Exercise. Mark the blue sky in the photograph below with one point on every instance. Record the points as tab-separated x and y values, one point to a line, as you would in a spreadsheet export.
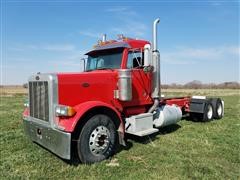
197	40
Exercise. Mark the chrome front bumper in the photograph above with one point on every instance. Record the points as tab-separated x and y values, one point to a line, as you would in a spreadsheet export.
56	141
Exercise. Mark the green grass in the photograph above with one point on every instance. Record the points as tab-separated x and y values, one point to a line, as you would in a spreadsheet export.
188	150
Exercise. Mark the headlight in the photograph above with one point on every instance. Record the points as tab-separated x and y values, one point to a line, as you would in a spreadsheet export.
26	103
64	111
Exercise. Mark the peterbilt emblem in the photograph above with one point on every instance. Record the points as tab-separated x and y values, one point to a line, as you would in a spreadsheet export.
85	84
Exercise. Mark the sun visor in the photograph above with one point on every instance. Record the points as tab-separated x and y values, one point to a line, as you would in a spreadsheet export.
109	46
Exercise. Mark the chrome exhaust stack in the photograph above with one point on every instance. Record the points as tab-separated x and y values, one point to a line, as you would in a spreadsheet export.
155	34
156	63
156	69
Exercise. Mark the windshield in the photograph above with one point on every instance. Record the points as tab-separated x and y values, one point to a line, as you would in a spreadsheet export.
110	59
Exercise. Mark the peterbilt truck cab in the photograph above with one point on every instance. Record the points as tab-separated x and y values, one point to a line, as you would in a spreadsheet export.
118	93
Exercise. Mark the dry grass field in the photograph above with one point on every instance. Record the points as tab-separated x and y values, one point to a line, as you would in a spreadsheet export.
19	90
12	90
188	150
201	92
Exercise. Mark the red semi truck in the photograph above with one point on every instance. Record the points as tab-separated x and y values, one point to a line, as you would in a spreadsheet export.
118	93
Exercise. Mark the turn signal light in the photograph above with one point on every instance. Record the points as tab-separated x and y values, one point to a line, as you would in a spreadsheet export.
65	111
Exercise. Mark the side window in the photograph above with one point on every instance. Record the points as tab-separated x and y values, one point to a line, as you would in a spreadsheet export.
135	59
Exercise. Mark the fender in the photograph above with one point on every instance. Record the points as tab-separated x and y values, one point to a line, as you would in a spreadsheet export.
69	124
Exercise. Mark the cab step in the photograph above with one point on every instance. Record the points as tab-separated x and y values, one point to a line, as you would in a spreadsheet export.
140	125
144	132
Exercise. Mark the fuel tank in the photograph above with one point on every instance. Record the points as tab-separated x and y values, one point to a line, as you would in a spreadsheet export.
125	84
166	115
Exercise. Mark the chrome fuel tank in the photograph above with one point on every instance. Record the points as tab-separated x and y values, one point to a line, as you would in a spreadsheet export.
166	115
125	84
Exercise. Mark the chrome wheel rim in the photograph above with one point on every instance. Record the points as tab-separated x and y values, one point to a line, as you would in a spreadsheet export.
210	112
219	110
99	140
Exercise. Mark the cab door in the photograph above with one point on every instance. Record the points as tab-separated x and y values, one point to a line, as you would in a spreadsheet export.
141	81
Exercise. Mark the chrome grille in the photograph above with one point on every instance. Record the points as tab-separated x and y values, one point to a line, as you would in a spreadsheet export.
39	100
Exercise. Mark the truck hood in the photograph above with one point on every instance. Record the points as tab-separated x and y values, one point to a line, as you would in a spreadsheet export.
75	88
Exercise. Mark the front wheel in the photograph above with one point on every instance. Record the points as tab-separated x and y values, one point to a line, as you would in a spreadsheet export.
97	140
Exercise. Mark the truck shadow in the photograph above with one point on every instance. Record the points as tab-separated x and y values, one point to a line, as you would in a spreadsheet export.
150	138
130	139
192	119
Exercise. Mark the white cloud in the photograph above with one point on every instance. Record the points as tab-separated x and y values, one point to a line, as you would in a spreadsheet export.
234	50
47	47
90	34
129	22
22	47
132	28
215	3
188	55
22	60
117	9
59	47
65	63
122	11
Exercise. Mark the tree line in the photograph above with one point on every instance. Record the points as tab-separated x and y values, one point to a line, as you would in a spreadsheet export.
199	85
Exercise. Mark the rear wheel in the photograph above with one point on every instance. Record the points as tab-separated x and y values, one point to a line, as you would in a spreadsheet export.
217	108
97	140
208	112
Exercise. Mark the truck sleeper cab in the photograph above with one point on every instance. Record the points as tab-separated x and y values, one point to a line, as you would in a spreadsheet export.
118	93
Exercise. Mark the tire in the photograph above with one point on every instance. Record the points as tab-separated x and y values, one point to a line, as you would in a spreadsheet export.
217	108
97	140
208	112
